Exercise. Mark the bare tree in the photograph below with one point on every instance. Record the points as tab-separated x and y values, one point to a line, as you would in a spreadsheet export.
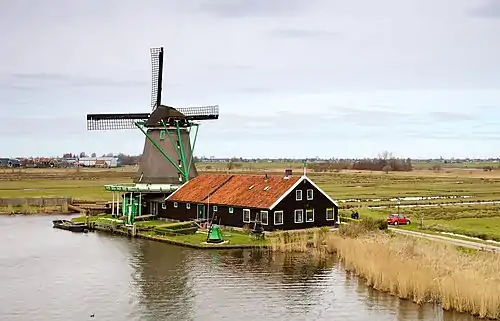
385	155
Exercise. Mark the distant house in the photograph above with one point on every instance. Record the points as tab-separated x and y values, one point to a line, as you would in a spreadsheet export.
280	202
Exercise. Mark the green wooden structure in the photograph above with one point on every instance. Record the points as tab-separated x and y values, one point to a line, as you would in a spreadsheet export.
214	234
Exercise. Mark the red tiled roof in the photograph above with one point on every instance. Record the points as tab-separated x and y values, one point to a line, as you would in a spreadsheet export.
234	190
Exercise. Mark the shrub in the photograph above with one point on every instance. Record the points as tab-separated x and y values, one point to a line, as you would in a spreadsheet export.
181	231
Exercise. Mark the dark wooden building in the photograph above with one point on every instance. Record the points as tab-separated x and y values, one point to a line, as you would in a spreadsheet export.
280	202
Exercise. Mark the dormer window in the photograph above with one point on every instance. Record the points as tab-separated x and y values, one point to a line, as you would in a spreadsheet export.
298	195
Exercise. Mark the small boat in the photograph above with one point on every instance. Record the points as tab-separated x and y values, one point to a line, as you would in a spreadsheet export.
70	226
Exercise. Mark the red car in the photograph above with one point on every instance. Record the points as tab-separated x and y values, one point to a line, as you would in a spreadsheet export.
396	219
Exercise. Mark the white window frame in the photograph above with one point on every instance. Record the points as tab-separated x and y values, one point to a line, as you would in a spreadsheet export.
266	215
215	208
333	214
282	217
297	193
246	211
312	194
188	206
176	204
295	216
307	220
231	210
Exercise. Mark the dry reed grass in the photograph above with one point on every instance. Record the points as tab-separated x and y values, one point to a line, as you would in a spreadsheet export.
409	268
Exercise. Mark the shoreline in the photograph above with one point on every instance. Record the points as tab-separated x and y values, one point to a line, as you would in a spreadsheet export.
233	238
371	255
170	241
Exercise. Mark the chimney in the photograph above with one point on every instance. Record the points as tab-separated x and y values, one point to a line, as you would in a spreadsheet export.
288	173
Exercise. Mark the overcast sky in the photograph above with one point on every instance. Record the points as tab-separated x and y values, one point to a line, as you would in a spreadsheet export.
328	78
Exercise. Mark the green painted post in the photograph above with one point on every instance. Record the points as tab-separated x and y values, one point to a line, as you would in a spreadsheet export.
183	156
158	147
171	139
124	204
192	149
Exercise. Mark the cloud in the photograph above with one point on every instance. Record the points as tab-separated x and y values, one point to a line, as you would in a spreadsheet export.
303	34
253	8
375	116
446	116
489	9
71	80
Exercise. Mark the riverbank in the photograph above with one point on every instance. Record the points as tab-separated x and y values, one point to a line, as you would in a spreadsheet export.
116	278
35	205
424	271
420	270
185	234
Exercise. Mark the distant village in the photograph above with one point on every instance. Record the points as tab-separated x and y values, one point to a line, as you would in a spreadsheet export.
116	160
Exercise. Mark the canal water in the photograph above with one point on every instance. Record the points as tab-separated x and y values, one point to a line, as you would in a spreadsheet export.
50	274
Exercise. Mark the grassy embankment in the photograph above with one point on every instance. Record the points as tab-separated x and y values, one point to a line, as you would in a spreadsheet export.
409	268
359	190
184	233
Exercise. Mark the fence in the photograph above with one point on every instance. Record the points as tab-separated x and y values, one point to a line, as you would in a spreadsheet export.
44	201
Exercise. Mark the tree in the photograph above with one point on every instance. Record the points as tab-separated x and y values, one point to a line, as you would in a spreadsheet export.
82	154
385	155
93	155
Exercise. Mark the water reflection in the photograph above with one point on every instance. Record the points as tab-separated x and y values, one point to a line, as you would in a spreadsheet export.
55	275
162	281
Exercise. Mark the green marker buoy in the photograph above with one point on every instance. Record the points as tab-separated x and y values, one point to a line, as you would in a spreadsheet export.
214	234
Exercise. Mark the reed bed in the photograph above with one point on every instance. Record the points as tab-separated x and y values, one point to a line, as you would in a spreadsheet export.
409	268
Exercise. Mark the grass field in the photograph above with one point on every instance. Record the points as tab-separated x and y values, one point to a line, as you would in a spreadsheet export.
361	190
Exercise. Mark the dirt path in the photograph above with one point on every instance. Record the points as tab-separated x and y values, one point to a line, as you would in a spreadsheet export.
449	240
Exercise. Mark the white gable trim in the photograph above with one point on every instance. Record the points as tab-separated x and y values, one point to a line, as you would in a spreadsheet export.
321	191
169	196
300	180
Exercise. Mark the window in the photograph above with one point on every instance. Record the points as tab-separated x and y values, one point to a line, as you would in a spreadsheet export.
175	204
179	163
246	216
329	214
309	215
162	134
231	210
215	208
188	206
298	195
164	206
264	217
278	218
180	177
298	216
309	194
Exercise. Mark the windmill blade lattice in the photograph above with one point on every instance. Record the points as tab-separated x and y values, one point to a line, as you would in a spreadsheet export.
157	75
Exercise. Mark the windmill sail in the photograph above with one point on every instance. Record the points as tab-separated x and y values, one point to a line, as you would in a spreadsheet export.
129	121
167	156
157	75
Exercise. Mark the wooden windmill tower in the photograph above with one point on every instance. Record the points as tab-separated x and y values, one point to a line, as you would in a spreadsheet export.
167	157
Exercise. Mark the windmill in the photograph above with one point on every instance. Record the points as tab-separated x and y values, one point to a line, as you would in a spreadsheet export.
167	156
